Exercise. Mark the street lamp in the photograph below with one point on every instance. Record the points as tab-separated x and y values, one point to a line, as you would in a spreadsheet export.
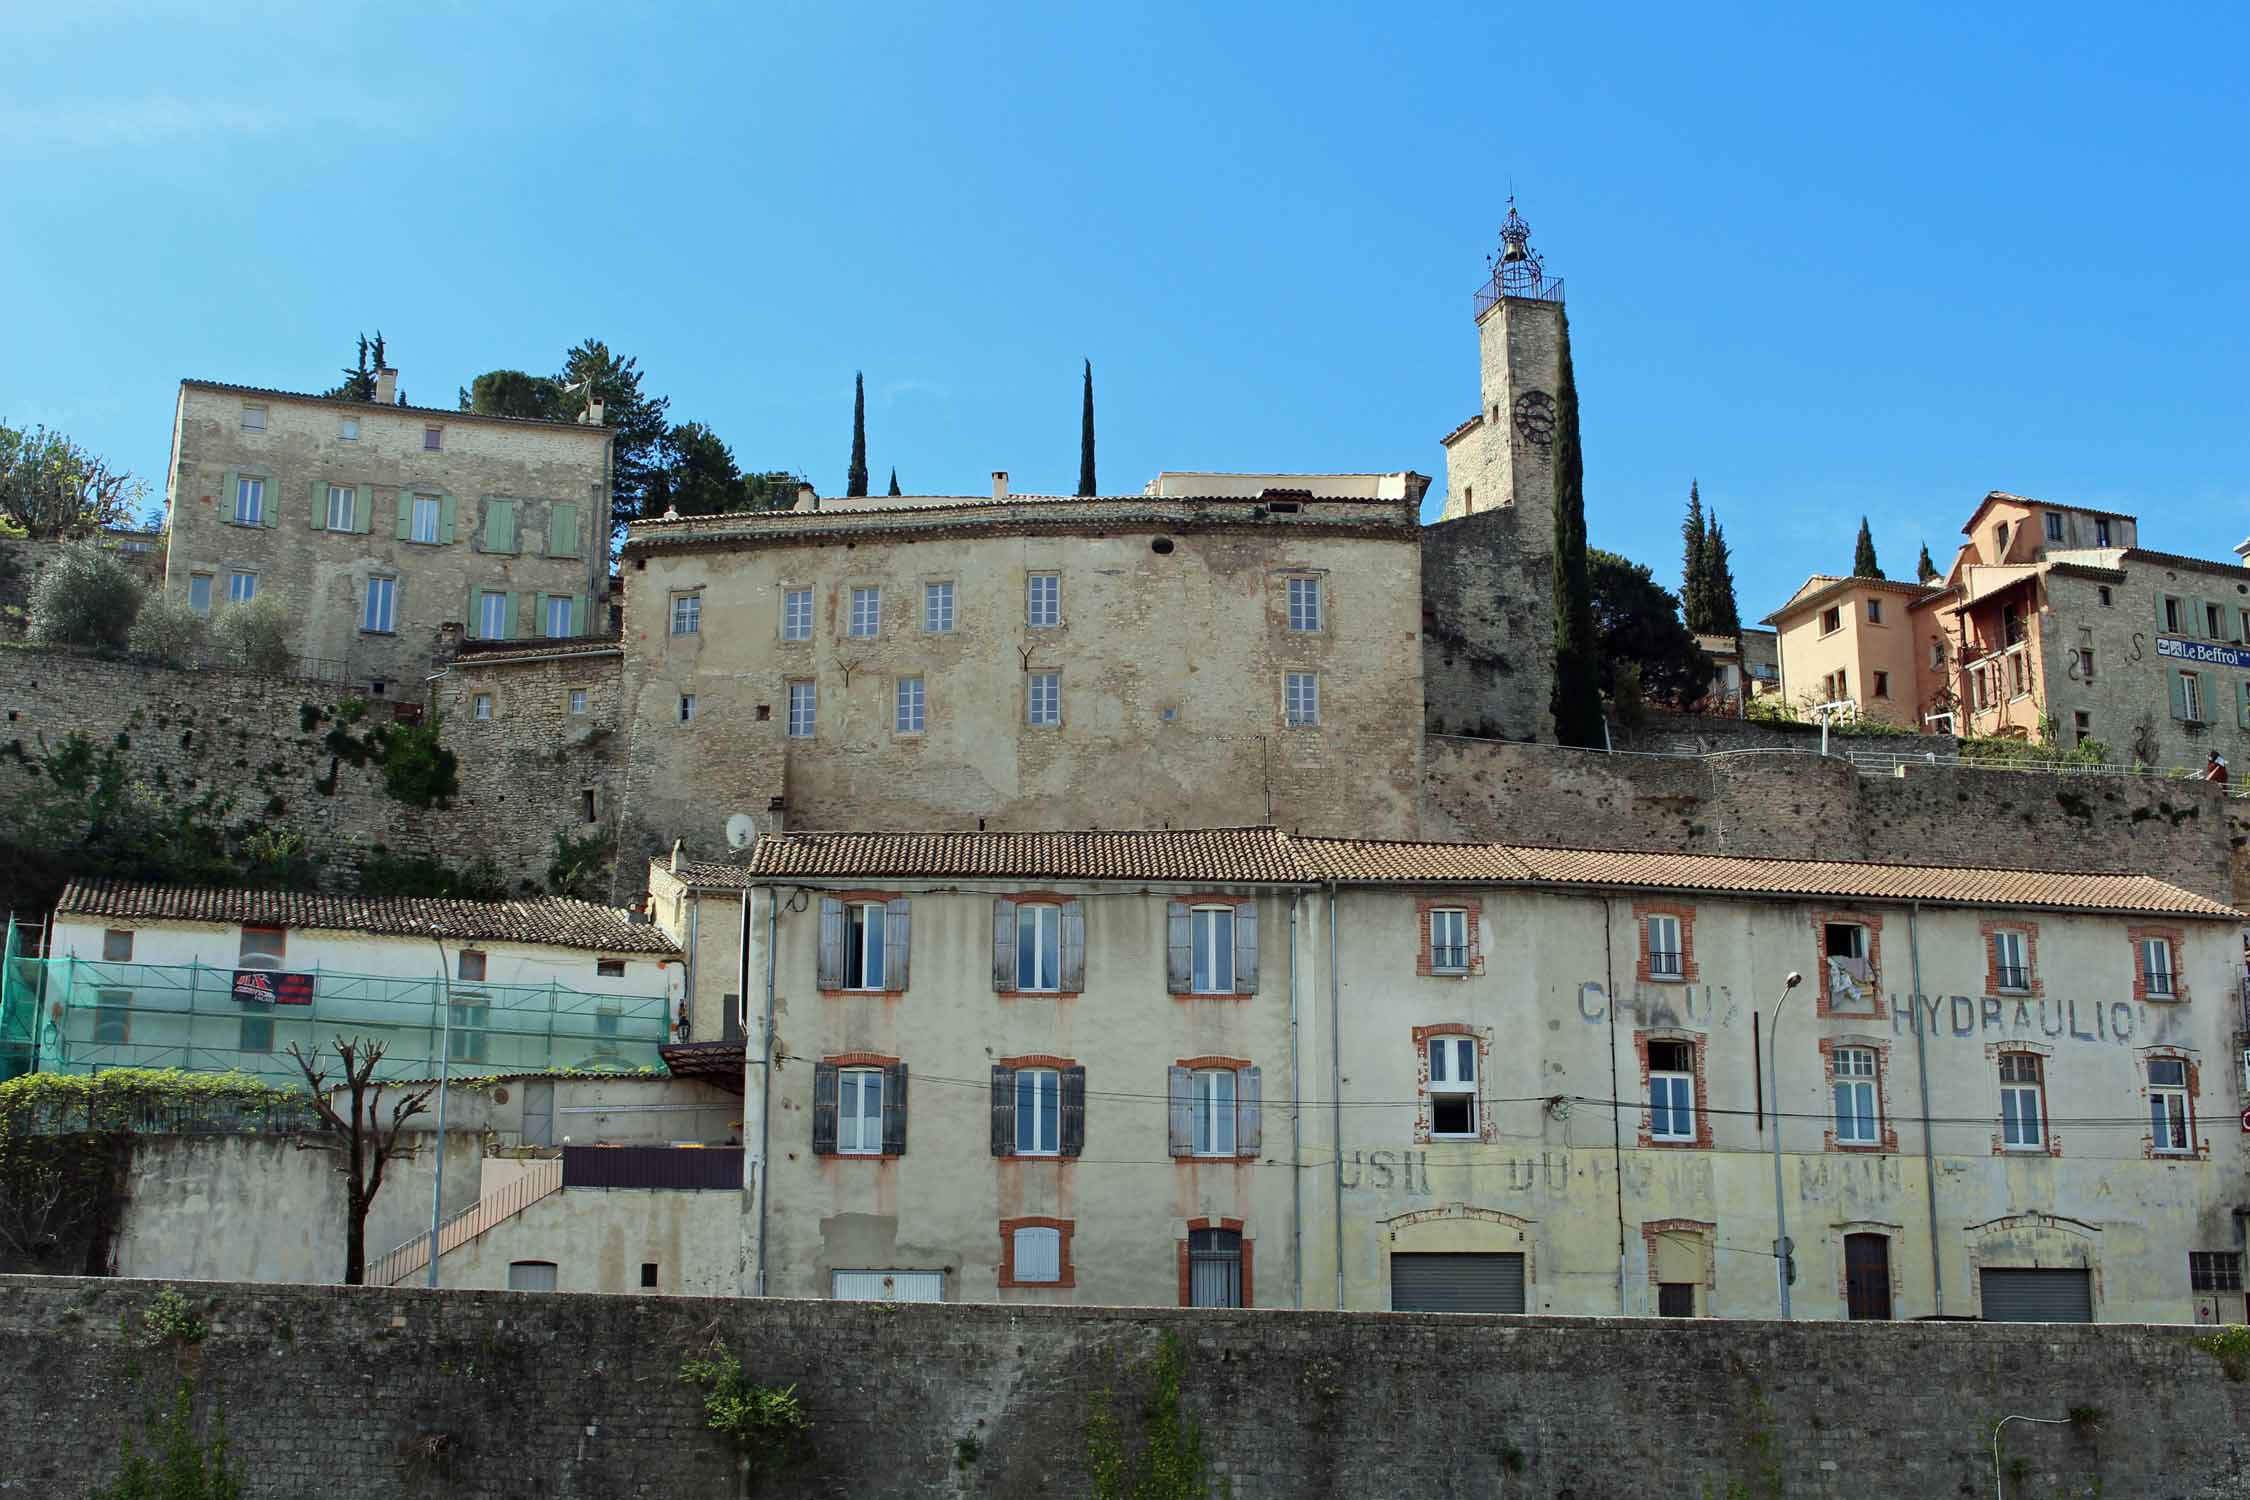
1781	1246
445	1069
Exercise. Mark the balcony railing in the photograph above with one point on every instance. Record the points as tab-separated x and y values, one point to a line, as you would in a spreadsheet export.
1492	292
683	1168
1663	965
2014	978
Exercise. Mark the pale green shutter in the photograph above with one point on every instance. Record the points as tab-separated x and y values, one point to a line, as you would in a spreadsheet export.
472	620
405	511
499	525
320	504
2179	695
363	509
508	618
227	485
269	505
579	625
445	519
562	530
2204	703
2242	703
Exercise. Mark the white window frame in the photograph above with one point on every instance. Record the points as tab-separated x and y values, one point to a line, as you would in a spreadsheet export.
424	515
2026	1130
1043	706
2159	980
1667	959
1042	600
249	500
1304	603
1300	700
242	587
1211	939
2009	958
492	614
2191	697
856	1090
1046	1258
1448	1056
343	507
1679	1090
937	607
1041	923
865	932
911	712
687	614
480	707
866	620
568	607
1857	1072
2170	1110
1038	1112
382	605
577	701
796	614
1449	940
804	709
1216	1104
201	606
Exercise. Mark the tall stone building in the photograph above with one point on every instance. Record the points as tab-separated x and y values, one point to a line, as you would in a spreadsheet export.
1487	585
375	523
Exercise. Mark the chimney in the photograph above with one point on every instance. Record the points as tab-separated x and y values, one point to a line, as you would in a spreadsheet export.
594	409
806	498
999	484
386	386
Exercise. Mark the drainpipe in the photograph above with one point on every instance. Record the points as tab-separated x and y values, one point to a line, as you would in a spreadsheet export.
1296	1127
765	1087
694	930
1616	1104
1922	1072
743	1249
1336	1087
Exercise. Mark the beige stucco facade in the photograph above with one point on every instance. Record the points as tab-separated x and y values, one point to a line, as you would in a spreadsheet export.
1850	640
314	502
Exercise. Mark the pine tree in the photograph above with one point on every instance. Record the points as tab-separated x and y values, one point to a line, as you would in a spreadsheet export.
1577	700
1721	613
855	483
1086	436
894	482
1924	569
1695	564
1863	555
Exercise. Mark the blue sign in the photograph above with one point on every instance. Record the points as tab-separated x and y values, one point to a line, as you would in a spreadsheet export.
2203	652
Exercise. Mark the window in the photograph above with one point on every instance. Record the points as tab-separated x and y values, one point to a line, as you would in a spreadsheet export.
648	1273
253	419
2101	539
1937	656
2082	725
1831	619
2214	1271
423	519
588	808
1043	599
2023	1102
796	614
865	924
1874	611
2000	537
2054	526
2010	969
887	1286
343	504
1882	684
492	616
2171	1125
117	946
1046	698
1304	604
1038	947
1664	951
577	701
687	708
262	948
867	612
113	1017
937	608
1453	1087
910	705
470	965
483	705
2101	591
1214	1258
531	1276
2156	968
1449	940
2086	663
347	429
801	709
1038	1111
609	968
382	596
1214	1097
2187	697
1856	1118
253	1034
687	614
1671	1090
241	587
1675	1299
433	438
1035	1255
560	608
1212	932
859	1112
199	593
2213	628
1301	700
2171	614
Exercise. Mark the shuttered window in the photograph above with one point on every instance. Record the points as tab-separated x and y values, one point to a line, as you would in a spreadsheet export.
1038	1111
2013	1295
865	945
1213	949
859	1110
1038	947
499	525
1038	1254
1215	1112
1457	1283
562	530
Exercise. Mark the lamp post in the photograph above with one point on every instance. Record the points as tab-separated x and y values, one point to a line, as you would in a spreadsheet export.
1781	1246
445	1069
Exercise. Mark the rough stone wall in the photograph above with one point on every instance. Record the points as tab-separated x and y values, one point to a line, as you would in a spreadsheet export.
1787	803
1707	734
323	575
1488	665
2128	702
390	1393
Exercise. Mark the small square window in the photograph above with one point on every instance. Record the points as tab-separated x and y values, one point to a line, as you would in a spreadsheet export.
241	587
483	705
347	429
471	965
253	419
1882	684
648	1273
433	438
609	968
577	701
687	708
1831	620
117	946
1037	1254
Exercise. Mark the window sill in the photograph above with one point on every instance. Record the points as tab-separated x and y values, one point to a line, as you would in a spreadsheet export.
1455	1140
1677	1143
1437	973
1239	1160
1037	994
861	994
2031	1150
1034	1156
796	640
1862	1148
247	525
1664	979
2012	989
2153	998
1063	1285
391	633
861	1155
1214	995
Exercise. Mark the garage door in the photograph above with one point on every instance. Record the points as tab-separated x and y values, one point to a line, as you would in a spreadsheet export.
888	1286
2012	1296
1457	1283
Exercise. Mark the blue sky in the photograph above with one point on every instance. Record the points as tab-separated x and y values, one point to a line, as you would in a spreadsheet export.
1830	262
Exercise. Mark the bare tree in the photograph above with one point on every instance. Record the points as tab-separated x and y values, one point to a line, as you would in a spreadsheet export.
366	1139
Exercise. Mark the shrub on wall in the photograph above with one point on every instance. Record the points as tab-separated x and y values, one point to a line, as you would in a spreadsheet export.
169	632
417	768
85	597
255	634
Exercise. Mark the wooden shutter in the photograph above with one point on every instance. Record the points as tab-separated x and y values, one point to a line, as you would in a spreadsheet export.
1073	1111
1249	1129
562	529
269	505
894	1109
229	483
2203	703
898	933
320	505
363	509
831	963
499	525
2242	704
1073	947
508	616
405	528
1003	944
1179	948
2179	694
824	1109
580	623
445	519
1246	948
1180	1107
1003	1111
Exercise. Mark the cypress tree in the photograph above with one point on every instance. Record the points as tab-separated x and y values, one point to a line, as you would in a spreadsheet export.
1924	569
1863	555
894	482
1577	699
1086	436
1718	584
855	483
1695	565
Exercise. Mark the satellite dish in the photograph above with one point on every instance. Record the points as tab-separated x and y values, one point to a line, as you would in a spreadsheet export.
742	831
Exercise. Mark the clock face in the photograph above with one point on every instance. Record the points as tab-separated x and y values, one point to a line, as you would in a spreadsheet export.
1535	417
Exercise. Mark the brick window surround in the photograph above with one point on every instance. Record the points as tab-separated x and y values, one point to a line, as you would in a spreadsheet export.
1684	913
1695	1041
1488	1128
1064	1228
851	899
1425	960
1874	926
1886	1134
1705	1234
1186	1272
1055	899
2199	1148
2030	931
1041	1060
1993	1052
861	1060
2178	939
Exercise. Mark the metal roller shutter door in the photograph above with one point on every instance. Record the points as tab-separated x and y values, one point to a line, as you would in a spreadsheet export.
1457	1283
2014	1296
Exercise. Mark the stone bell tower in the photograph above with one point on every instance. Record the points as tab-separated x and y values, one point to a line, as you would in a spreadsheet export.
1488	596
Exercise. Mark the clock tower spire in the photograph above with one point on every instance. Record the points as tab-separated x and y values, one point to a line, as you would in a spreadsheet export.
1504	455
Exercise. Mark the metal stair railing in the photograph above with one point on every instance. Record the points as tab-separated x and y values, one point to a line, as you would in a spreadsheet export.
542	1181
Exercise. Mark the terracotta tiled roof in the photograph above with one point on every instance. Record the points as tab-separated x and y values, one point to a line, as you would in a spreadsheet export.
550	920
1270	856
1821	587
474	652
447	412
1465	428
1995	497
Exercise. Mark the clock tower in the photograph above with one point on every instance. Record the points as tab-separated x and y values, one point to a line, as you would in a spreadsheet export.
1504	455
